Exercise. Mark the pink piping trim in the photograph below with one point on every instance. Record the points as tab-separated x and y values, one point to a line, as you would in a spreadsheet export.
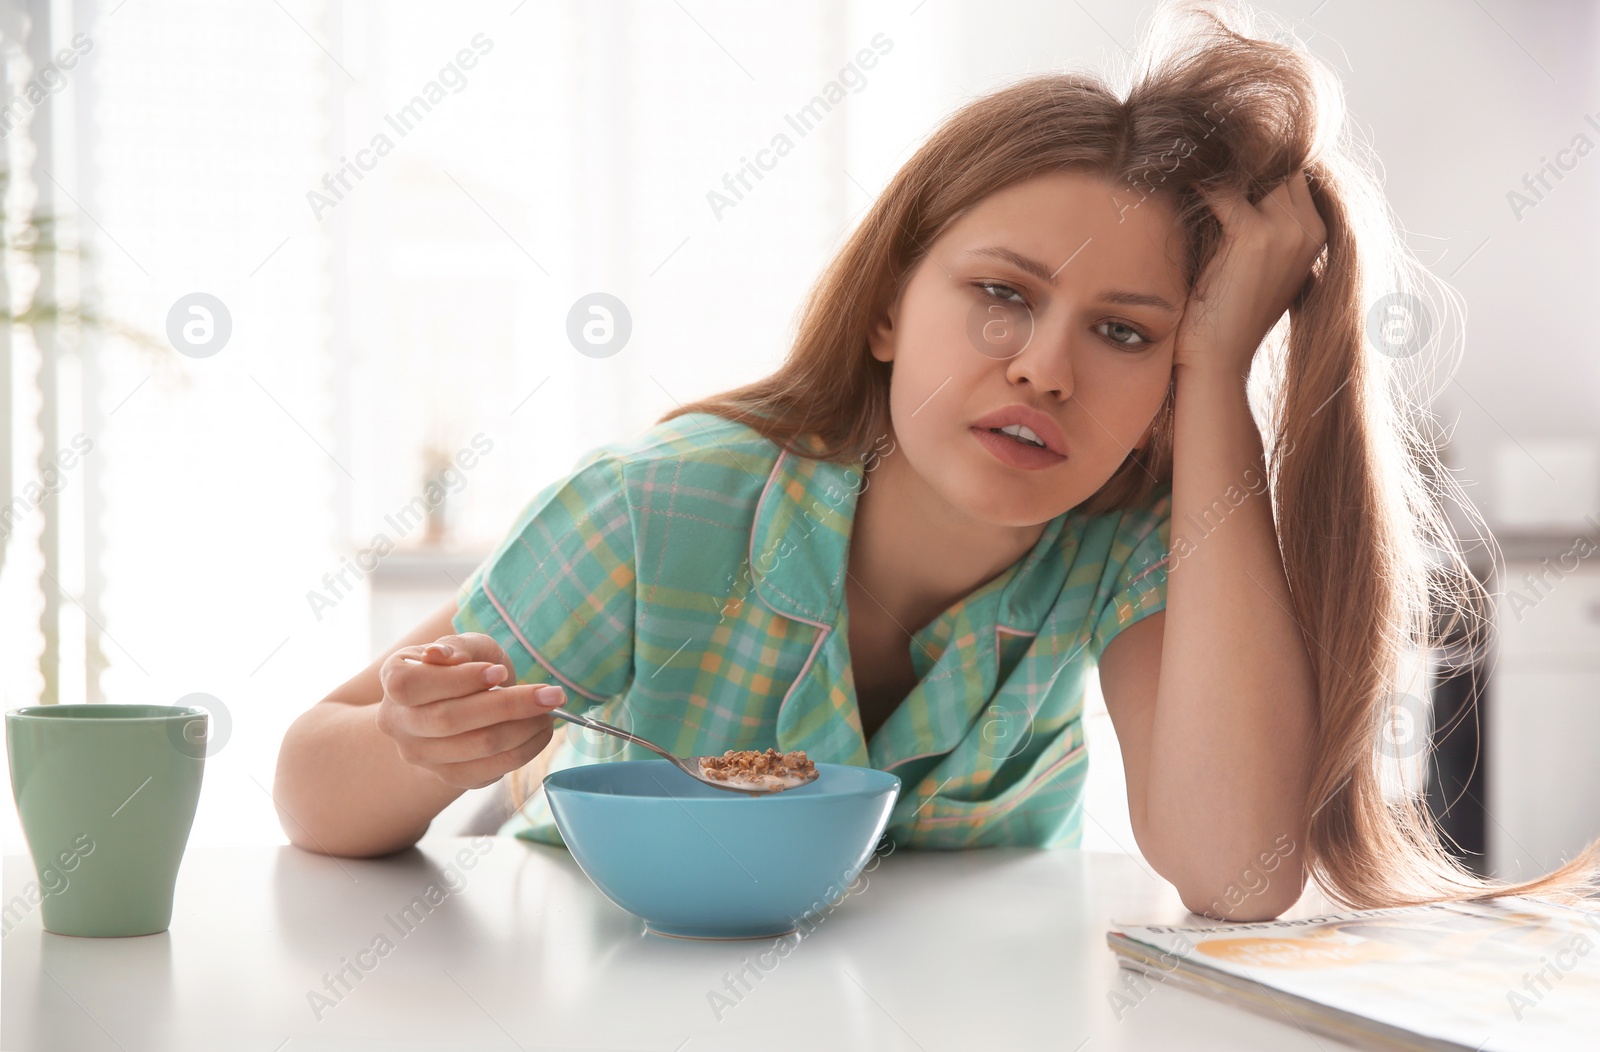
1153	566
760	503
1012	803
801	675
826	630
998	628
511	624
908	759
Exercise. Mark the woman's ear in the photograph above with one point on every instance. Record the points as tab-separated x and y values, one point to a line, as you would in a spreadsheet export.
881	337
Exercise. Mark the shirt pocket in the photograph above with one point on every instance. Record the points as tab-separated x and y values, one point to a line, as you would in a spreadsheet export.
1041	808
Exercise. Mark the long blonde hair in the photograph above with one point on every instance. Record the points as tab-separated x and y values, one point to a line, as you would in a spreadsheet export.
1357	486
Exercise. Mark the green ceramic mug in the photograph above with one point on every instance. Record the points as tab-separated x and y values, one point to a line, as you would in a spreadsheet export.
107	794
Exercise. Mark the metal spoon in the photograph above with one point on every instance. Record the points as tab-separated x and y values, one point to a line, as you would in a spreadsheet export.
690	766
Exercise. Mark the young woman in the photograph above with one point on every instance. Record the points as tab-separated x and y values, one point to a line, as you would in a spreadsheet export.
1012	445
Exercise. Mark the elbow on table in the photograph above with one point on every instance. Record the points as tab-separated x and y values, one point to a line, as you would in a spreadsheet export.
356	850
1217	877
335	846
311	822
1233	901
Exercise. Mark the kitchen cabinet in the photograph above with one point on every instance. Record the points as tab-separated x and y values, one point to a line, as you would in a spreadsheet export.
1542	737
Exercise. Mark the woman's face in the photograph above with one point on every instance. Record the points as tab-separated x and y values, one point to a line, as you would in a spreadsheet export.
1083	334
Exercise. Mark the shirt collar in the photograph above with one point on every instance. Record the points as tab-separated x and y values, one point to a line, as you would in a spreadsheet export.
800	539
799	553
800	543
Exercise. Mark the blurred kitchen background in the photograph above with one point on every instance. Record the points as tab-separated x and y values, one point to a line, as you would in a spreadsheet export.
294	282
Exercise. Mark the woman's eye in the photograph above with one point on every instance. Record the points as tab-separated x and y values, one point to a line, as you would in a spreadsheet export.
1127	330
989	285
1122	333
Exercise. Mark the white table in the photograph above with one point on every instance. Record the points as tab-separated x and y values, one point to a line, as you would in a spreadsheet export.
984	949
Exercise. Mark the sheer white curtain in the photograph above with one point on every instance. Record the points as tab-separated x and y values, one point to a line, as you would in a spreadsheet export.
398	206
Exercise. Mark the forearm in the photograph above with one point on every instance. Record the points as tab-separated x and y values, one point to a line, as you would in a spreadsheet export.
1230	745
342	787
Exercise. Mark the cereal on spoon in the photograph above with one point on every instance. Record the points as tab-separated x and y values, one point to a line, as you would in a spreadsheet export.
770	770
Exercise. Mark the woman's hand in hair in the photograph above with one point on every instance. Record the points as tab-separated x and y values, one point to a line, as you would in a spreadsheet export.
1255	275
446	715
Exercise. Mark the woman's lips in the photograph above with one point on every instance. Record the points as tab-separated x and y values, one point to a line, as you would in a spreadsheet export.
1016	454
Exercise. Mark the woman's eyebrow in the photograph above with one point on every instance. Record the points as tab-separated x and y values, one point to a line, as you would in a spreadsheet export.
1038	270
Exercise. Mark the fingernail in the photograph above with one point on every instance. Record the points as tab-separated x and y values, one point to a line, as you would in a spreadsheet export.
494	673
552	696
437	650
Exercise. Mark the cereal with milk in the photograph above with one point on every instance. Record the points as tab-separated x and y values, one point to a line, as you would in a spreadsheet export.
770	770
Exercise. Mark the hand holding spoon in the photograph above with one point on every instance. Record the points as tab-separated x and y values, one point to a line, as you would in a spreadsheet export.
738	779
765	785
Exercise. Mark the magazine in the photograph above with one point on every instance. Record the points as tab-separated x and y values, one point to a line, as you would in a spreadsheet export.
1491	975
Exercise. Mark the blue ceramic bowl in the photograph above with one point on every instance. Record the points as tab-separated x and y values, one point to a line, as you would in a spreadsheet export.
700	862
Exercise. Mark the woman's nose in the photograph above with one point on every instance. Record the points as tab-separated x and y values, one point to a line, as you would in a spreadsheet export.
1045	361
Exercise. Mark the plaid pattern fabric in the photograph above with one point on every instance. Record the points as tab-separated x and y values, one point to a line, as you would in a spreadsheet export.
688	585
